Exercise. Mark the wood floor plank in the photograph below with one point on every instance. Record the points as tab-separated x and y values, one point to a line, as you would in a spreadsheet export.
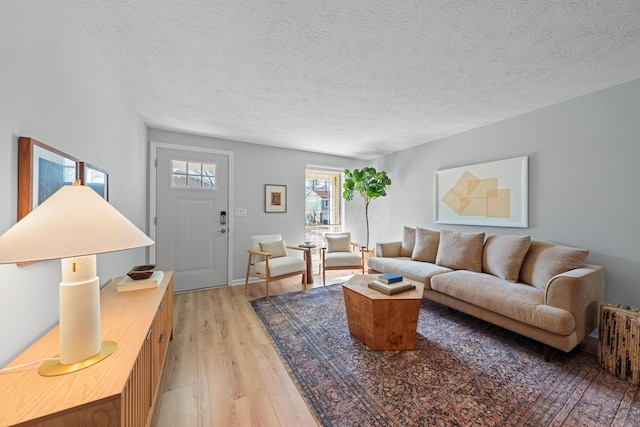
256	410
222	369
216	401
181	365
239	360
209	333
289	405
178	407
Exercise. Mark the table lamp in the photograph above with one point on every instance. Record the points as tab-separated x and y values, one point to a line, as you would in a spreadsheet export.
73	225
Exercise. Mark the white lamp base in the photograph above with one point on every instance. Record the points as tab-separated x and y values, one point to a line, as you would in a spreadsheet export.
80	344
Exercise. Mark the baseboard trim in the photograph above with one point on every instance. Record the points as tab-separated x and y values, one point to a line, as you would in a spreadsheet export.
590	345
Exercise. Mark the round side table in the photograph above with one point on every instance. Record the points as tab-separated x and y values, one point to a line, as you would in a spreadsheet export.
308	248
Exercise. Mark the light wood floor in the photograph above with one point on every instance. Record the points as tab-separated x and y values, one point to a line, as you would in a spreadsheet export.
221	369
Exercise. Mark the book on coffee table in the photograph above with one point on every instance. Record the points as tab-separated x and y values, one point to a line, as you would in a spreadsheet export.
390	278
391	289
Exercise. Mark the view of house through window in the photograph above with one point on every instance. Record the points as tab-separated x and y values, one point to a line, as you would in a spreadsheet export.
323	206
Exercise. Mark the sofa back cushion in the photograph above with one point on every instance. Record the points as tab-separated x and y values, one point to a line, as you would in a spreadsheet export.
460	251
502	256
546	259
426	245
408	241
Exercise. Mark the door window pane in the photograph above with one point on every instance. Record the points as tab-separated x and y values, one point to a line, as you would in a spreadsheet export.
193	175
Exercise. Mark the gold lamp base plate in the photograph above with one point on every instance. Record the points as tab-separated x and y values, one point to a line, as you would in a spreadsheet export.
52	368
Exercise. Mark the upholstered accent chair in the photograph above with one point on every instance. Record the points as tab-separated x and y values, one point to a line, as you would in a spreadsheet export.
269	260
339	253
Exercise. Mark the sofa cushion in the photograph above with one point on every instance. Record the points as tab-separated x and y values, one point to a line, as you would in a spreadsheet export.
408	241
342	259
460	251
502	256
426	245
338	243
407	268
516	301
546	259
281	265
388	249
276	249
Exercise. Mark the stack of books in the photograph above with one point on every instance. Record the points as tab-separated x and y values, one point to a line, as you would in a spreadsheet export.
391	284
128	284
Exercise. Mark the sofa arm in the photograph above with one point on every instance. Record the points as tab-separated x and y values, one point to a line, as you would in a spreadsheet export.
580	292
388	249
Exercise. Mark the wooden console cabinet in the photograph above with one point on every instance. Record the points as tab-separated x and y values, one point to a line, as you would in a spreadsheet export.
117	391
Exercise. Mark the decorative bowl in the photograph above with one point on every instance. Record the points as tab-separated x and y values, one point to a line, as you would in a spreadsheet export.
140	272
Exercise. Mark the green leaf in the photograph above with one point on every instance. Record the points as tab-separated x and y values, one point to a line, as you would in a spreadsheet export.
367	182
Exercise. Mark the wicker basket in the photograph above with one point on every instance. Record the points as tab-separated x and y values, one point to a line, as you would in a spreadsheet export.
620	341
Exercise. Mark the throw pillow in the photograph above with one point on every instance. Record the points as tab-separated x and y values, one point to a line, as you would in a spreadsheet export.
546	259
408	241
338	243
460	251
426	246
502	256
277	249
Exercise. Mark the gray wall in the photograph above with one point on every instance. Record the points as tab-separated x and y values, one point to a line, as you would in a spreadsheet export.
254	166
583	180
57	89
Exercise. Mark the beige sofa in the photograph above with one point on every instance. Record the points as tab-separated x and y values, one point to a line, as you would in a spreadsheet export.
538	289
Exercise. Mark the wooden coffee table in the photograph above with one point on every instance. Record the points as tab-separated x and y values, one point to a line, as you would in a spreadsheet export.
382	322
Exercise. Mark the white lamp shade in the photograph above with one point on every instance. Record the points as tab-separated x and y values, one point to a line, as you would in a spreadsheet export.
74	221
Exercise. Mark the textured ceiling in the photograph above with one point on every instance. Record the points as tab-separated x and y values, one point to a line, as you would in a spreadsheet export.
358	78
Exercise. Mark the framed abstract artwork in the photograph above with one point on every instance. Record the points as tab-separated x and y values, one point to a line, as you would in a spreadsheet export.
95	178
488	194
275	198
42	170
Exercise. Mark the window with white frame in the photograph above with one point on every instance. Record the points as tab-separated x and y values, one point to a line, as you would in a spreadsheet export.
188	174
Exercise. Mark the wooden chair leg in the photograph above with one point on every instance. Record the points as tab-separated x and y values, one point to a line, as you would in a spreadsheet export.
547	353
267	274
246	280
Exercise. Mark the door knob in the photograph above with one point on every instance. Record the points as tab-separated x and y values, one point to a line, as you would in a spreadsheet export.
223	230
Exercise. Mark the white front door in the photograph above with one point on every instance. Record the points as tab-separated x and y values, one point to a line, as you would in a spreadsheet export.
192	239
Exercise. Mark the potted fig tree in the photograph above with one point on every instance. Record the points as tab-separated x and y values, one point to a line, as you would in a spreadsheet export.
367	182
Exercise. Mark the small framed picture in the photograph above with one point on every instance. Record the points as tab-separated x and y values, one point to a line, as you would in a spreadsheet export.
275	198
95	178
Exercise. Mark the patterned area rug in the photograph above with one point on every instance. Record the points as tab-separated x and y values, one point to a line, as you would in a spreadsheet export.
463	372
